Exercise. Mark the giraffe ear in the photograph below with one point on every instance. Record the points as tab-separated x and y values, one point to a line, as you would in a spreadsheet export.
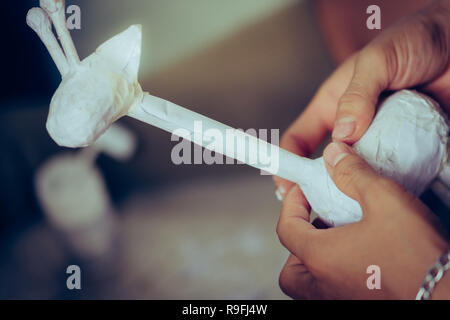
122	53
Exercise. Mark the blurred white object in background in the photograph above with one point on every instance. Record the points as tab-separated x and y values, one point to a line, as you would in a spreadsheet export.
118	143
74	197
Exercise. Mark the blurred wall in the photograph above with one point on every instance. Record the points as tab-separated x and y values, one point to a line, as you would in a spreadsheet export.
171	29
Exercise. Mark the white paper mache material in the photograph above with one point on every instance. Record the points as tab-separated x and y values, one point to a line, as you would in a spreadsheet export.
97	92
407	142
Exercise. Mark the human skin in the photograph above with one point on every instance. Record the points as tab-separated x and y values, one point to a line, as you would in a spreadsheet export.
397	233
343	22
332	263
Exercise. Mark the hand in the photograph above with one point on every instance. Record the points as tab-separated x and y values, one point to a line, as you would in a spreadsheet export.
397	233
413	53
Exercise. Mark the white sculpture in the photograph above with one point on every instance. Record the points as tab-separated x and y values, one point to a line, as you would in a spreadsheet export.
407	140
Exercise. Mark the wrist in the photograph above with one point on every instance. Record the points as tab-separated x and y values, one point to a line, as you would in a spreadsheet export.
438	279
419	269
442	291
417	257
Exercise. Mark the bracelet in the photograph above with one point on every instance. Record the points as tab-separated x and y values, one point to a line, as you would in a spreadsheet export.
433	276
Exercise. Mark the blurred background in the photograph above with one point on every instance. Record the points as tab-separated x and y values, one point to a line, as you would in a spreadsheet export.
139	226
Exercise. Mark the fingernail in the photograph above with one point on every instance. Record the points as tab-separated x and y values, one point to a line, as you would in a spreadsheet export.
344	127
280	193
335	152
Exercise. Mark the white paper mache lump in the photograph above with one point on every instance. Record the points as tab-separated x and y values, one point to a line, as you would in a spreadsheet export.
97	92
407	142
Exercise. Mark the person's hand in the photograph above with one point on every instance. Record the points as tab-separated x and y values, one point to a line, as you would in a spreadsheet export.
413	53
397	233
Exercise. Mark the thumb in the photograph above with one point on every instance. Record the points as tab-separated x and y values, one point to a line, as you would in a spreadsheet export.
356	106
351	174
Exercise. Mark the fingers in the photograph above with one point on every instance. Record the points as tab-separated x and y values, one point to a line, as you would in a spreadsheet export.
357	105
294	229
440	90
283	186
295	280
351	174
312	126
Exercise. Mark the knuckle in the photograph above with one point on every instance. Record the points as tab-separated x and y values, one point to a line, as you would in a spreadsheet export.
311	253
279	229
391	63
282	230
352	96
438	35
315	261
358	91
348	170
371	56
290	286
284	281
356	100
